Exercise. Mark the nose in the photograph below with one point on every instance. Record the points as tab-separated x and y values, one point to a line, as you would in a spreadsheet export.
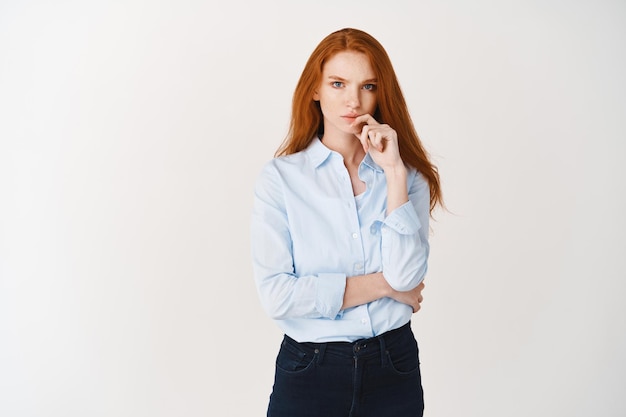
353	100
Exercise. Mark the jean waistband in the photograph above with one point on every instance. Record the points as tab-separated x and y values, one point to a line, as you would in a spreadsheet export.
362	347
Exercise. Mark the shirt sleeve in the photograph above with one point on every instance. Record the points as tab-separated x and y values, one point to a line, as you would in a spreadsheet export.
404	244
284	294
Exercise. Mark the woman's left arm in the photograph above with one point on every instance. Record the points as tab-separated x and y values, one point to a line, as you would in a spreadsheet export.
404	231
404	245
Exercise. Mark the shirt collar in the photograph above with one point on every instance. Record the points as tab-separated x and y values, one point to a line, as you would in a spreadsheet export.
319	153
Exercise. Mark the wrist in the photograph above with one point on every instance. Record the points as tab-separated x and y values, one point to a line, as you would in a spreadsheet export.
397	193
386	289
396	171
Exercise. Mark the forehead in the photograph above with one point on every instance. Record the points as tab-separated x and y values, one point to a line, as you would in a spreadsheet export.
349	65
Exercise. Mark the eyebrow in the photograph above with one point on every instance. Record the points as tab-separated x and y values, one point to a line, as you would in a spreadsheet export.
336	77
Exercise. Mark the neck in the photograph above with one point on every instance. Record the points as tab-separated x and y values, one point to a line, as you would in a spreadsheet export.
347	145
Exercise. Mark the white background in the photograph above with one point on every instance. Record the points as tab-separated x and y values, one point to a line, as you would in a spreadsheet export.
131	133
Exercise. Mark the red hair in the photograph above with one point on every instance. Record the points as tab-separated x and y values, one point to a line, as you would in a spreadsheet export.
306	115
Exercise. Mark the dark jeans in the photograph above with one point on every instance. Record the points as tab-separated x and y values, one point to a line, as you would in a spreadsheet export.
375	377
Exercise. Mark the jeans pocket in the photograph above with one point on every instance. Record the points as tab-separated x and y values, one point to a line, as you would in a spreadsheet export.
404	361
294	359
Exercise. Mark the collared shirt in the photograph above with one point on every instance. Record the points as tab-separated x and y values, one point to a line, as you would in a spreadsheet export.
309	233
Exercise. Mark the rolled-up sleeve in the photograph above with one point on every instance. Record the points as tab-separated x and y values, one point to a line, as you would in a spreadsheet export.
404	244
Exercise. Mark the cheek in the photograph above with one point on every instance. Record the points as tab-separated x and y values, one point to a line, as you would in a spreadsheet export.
322	105
328	102
370	103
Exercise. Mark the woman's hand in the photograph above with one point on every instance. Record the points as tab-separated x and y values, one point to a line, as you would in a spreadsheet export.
380	140
413	298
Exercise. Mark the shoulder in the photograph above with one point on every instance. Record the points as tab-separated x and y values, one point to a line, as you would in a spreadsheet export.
418	177
414	175
284	164
416	182
280	170
288	166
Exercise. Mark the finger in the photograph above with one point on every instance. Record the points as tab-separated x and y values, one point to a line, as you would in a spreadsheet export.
373	137
365	119
378	141
363	138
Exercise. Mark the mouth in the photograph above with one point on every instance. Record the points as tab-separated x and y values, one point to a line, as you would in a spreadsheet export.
350	117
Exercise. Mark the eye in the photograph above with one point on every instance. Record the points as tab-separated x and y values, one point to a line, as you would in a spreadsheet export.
369	87
337	84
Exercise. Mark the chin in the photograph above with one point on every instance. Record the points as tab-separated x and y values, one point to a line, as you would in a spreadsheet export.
354	131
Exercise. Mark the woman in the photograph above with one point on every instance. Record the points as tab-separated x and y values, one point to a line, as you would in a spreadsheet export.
340	238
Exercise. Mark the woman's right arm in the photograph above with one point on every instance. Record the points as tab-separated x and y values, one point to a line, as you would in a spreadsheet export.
282	293
363	289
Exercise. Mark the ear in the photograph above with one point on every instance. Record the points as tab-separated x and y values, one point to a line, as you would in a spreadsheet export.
316	95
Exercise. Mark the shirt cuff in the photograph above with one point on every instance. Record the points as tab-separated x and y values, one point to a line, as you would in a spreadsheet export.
403	220
330	289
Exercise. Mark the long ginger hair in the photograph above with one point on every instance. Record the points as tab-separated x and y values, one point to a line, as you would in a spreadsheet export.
306	115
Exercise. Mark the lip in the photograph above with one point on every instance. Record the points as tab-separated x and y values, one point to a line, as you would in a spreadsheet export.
350	117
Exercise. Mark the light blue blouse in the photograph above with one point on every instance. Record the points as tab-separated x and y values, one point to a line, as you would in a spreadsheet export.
309	232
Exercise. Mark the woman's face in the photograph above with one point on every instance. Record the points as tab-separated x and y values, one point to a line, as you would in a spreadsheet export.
347	90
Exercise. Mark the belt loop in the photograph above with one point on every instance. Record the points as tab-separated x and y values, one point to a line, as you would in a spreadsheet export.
320	352
383	351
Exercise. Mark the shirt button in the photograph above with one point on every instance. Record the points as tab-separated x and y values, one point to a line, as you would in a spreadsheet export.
355	235
358	266
364	321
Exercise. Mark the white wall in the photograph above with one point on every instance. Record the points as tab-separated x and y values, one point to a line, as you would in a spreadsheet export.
130	136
